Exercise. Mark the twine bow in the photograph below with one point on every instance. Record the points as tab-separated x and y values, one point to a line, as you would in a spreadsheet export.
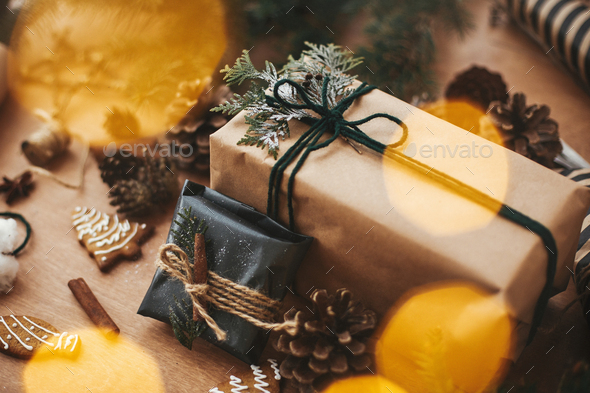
332	120
224	294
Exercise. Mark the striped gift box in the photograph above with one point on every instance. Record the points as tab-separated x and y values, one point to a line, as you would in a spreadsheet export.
562	27
582	261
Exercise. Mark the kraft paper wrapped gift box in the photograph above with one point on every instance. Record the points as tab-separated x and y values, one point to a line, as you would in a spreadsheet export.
382	228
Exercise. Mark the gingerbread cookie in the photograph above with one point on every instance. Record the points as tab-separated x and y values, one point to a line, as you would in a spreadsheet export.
21	337
108	239
260	379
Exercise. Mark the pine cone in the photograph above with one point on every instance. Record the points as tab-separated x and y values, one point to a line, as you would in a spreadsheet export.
158	174
527	130
330	343
117	167
139	184
194	128
478	86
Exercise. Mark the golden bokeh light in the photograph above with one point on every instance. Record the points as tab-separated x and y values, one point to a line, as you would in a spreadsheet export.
364	384
467	116
102	366
480	163
115	70
452	337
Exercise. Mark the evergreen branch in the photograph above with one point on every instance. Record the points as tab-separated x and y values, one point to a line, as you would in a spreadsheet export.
241	71
266	118
332	57
185	332
188	227
252	98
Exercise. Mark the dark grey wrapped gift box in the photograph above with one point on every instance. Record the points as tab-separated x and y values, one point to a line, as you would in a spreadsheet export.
244	246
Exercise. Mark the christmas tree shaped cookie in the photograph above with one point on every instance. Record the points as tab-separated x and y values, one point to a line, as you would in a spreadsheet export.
109	239
260	379
22	337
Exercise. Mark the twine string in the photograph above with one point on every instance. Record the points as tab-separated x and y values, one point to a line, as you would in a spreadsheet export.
224	294
332	119
81	172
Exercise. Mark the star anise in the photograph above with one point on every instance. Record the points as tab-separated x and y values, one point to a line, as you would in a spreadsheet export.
19	187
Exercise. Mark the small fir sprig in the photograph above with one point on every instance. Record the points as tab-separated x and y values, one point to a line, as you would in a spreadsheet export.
267	119
184	237
187	331
188	226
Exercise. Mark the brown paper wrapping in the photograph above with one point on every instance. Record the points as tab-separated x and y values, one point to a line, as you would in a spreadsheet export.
382	228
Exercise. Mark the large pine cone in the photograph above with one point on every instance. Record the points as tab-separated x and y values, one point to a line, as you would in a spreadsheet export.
139	184
478	86
330	343
527	130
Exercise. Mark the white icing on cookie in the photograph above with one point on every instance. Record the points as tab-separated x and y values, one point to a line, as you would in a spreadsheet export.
75	342
27	347
259	384
84	218
121	245
89	224
107	233
215	390
235	382
5	343
59	341
31	333
81	212
122	229
275	366
68	340
40	327
102	232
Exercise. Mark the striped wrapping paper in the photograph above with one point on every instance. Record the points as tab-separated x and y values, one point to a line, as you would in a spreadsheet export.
582	260
562	27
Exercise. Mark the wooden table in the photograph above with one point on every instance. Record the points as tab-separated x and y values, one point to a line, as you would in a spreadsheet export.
54	256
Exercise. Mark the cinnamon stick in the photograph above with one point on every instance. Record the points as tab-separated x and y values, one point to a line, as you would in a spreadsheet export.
199	268
93	308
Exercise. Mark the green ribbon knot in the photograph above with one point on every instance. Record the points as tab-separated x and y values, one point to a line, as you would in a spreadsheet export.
329	120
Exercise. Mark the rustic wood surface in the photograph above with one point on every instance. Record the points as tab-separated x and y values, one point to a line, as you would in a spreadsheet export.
54	256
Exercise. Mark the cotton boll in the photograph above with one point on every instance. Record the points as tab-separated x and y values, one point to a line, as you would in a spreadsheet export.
8	263
8	235
8	270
